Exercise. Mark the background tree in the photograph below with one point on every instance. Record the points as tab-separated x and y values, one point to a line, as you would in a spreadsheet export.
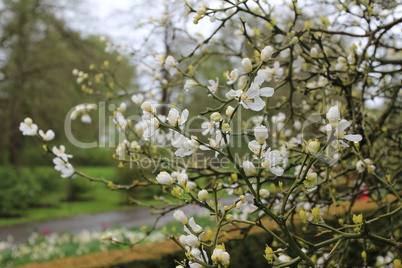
38	52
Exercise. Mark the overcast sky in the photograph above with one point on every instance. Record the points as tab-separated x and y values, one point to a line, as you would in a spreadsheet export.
117	18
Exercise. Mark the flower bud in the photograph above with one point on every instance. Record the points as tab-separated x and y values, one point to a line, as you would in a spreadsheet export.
311	180
180	217
226	127
170	61
261	134
357	219
229	111
216	117
229	217
269	255
202	10
225	259
203	195
263	193
313	146
314	52
303	216
294	40
266	53
246	64
190	84
333	116
364	256
316	214
165	178
28	121
249	167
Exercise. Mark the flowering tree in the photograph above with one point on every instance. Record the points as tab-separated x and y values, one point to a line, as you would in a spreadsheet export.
304	126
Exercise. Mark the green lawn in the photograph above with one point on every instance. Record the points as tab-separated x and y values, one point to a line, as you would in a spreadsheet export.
96	197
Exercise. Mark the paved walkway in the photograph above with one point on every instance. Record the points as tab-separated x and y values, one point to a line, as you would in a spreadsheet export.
93	222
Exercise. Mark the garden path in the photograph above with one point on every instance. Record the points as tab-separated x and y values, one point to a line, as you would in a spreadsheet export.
135	217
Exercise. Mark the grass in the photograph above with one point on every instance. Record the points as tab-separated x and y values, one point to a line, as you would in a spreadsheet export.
96	197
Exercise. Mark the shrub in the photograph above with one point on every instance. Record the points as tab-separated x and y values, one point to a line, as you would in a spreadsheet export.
19	190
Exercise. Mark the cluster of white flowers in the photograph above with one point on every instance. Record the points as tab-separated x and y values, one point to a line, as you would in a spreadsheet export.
191	241
54	245
185	146
269	159
83	111
81	76
178	179
61	163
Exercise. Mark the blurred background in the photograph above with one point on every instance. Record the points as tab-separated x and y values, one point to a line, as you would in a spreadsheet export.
41	42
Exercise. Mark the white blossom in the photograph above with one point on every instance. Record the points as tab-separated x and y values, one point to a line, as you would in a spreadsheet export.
48	136
220	256
175	118
120	121
148	107
232	76
180	217
340	133
86	118
64	167
61	152
191	241
28	128
195	227
249	167
190	84
170	62
361	165
213	85
271	73
208	128
152	126
137	98
215	142
185	145
261	134
271	161
252	98
256	147
246	64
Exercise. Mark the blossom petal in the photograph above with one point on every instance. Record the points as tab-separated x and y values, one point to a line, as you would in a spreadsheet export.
343	124
267	92
353	137
257	105
278	171
183	117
